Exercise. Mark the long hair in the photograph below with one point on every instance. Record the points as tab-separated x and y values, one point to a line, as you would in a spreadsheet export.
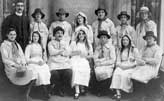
85	39
129	45
39	41
84	22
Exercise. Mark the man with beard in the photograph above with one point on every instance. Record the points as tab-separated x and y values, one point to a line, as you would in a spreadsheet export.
20	22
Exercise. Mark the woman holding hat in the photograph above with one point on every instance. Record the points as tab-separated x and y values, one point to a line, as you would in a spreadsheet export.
125	64
81	22
145	25
151	59
62	15
14	61
39	26
104	59
102	23
124	28
81	49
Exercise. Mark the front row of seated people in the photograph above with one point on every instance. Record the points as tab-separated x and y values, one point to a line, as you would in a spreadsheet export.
69	65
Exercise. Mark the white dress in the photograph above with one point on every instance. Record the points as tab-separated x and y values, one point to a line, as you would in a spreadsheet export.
121	78
80	65
42	74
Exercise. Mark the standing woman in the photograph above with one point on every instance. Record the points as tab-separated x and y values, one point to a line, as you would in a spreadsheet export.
34	58
126	61
81	22
81	49
145	25
40	26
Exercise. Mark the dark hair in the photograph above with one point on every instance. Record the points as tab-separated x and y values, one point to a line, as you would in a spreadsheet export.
129	45
10	29
85	40
36	32
58	28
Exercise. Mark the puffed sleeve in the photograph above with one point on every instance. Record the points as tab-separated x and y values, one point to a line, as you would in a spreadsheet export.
27	53
5	55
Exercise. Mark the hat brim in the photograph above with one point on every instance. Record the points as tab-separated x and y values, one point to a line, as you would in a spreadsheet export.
66	14
144	37
22	80
96	11
119	16
42	14
99	35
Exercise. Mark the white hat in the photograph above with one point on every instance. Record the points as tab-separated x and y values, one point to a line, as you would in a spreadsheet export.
144	9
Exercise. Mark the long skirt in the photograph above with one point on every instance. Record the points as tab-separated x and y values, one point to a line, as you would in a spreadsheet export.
41	73
81	71
144	73
121	80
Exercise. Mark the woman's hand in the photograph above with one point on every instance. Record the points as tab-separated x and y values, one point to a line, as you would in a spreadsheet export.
140	62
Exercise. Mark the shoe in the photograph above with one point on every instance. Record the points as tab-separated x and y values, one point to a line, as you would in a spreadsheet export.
117	97
76	96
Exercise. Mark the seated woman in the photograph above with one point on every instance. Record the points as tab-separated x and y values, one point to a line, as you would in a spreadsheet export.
151	58
104	58
81	49
14	61
34	58
126	61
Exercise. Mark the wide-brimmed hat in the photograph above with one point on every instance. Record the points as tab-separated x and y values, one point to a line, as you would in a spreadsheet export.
38	10
149	33
83	15
101	8
144	9
103	32
123	13
62	11
27	77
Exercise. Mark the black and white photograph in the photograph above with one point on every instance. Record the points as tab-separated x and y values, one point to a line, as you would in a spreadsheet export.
81	50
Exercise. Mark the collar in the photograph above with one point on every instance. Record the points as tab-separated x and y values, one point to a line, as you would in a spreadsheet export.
150	45
122	25
102	19
18	14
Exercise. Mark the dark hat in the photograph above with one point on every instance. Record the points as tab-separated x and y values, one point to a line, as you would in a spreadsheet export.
123	13
149	33
58	28
62	11
103	32
101	8
38	10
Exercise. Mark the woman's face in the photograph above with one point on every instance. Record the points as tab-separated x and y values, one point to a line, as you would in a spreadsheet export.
38	17
123	19
80	19
144	15
125	41
81	35
101	14
103	39
12	36
35	37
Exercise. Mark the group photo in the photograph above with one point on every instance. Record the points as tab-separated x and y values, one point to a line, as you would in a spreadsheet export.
88	50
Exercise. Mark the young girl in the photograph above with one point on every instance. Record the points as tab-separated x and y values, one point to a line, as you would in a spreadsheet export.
126	61
81	49
34	58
